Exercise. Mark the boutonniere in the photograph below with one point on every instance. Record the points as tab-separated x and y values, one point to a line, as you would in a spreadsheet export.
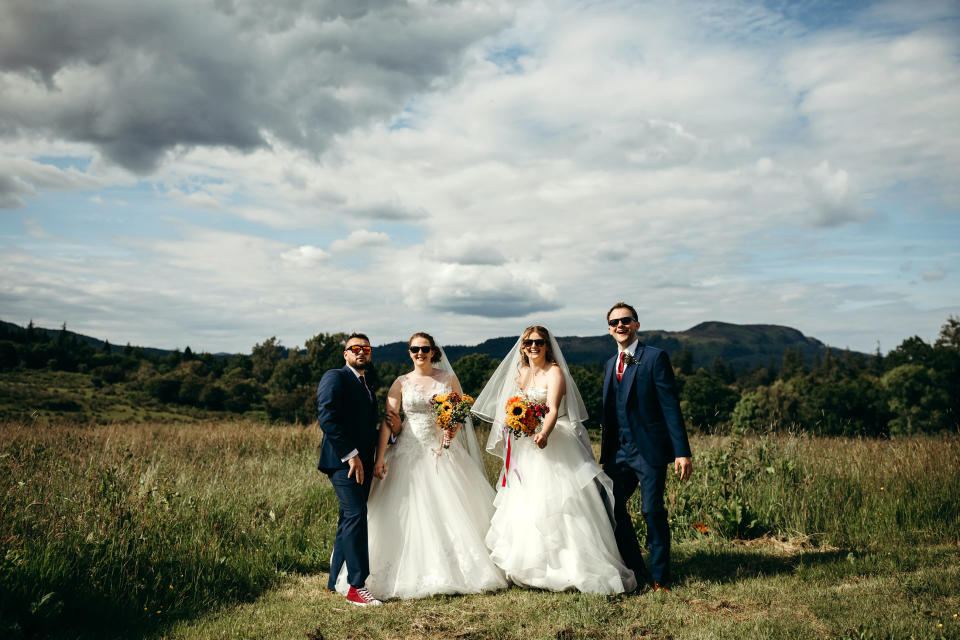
629	359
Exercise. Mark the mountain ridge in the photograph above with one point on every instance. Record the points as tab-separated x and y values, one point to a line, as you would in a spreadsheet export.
741	346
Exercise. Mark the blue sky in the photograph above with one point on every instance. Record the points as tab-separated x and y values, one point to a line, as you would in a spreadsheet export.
212	174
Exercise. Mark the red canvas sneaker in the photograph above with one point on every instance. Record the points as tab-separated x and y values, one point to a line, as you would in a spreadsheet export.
361	597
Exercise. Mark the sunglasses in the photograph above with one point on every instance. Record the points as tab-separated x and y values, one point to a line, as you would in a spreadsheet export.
419	349
357	349
624	320
529	343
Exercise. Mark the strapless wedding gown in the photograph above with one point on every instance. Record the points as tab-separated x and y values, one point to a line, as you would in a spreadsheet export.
427	518
552	528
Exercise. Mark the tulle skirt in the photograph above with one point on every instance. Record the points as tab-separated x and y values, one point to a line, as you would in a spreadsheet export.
427	520
552	528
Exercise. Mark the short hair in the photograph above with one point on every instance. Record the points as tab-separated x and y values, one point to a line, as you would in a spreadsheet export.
361	336
623	305
434	349
543	334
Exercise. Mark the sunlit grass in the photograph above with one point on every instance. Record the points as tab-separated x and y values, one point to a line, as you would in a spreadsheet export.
223	529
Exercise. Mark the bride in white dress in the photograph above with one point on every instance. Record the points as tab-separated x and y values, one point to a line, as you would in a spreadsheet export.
427	515
552	528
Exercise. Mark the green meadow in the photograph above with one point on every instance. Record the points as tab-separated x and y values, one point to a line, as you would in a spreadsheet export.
223	529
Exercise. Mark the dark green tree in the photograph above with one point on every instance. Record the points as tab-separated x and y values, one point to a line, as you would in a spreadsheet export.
264	358
706	401
473	371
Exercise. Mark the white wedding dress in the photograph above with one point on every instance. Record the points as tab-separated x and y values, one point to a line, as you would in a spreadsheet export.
427	518
552	526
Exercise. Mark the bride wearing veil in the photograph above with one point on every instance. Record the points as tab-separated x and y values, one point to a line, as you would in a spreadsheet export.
552	528
429	506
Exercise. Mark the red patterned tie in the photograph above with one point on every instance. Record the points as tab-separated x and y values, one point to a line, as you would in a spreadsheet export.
623	354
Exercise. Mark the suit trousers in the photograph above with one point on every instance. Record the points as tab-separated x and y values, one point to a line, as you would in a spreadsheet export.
350	543
627	471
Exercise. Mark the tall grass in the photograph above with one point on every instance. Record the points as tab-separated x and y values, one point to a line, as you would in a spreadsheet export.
126	527
838	491
129	523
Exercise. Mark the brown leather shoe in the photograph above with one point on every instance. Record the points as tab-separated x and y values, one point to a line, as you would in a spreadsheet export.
659	587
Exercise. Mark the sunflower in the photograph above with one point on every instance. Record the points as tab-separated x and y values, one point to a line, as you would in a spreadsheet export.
516	413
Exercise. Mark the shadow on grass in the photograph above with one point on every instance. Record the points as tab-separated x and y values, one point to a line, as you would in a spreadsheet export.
732	565
76	611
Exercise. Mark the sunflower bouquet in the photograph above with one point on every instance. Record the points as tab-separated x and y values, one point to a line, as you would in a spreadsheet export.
451	409
524	416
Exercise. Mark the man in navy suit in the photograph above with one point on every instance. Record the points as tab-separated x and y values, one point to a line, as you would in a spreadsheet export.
347	412
643	432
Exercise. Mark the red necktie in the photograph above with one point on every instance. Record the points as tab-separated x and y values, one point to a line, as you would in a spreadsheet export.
623	354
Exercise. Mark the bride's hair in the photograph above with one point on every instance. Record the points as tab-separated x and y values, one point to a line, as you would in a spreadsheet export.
434	350
543	334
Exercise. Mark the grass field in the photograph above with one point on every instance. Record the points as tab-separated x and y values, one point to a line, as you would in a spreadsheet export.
223	530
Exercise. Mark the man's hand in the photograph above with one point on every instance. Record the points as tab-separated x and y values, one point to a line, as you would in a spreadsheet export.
356	469
682	467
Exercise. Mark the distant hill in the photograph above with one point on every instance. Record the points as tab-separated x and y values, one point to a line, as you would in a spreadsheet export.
96	343
741	345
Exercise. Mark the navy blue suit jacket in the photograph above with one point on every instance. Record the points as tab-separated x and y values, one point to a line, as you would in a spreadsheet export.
651	409
348	419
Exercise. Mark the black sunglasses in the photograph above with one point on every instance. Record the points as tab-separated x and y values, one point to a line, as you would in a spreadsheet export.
538	341
419	349
624	320
357	349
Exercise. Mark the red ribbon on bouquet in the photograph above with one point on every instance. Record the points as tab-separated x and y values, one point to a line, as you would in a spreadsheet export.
506	458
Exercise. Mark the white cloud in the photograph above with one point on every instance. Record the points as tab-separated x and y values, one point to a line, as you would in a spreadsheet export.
306	256
932	275
465	249
692	159
13	192
34	229
360	239
491	292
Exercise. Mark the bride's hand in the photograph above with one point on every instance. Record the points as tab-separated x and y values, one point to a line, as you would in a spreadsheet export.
540	439
380	469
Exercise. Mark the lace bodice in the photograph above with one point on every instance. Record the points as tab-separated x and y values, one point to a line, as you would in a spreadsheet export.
419	424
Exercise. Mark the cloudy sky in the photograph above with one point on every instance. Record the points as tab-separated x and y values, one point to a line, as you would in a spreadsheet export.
215	172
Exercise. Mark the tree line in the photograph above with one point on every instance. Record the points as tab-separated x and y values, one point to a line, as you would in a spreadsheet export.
913	389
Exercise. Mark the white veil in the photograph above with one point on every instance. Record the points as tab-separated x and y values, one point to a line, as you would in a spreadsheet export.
491	402
467	433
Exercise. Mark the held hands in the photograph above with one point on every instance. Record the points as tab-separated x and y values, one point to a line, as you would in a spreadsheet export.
380	469
356	469
683	467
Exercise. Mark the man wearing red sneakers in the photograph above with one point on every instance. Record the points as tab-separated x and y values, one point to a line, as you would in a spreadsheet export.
347	412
